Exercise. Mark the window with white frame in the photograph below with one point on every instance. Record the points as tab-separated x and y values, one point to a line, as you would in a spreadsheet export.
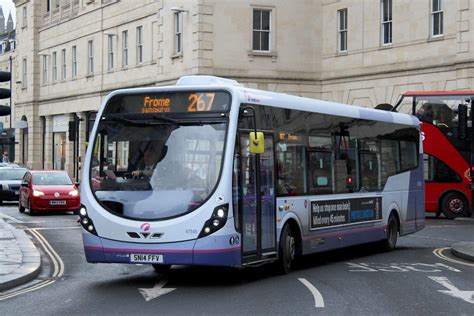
74	61
45	69
386	22
342	30
124	48
261	30
90	57
178	32
25	17
110	50
139	44
23	74
55	67
63	64
436	17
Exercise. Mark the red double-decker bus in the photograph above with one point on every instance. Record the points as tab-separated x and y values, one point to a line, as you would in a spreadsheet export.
446	131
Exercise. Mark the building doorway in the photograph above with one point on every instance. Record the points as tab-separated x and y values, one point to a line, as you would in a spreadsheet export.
59	150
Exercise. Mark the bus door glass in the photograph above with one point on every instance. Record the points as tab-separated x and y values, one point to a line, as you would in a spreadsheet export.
258	199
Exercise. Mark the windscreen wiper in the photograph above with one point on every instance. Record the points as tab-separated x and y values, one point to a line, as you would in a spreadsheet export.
165	119
139	122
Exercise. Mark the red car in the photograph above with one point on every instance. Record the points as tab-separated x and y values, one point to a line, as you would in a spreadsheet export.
51	190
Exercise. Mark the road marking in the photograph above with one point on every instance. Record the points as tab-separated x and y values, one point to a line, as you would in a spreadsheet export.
439	253
13	219
156	291
318	298
400	267
453	291
57	263
53	228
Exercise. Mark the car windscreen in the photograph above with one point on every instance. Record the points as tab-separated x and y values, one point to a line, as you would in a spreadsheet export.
12	174
53	178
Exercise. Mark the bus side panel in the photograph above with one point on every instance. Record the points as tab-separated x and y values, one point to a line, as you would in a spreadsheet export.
218	250
343	238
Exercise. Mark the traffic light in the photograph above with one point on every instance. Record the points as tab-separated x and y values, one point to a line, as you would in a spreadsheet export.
5	93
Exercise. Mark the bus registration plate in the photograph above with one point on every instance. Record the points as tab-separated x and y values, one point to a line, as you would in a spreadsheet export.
146	258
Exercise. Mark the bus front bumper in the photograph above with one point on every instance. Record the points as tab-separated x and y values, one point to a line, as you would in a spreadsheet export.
210	250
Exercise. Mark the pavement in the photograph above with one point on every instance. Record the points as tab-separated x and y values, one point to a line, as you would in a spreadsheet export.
20	260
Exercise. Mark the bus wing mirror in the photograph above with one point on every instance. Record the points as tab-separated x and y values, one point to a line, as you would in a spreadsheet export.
257	142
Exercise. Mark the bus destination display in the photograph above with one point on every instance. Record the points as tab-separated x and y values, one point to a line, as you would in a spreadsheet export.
177	102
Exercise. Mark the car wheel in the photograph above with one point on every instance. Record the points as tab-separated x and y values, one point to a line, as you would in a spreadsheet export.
287	250
454	205
161	268
20	207
32	212
390	242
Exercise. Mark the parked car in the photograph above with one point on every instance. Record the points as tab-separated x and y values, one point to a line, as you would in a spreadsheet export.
48	190
10	181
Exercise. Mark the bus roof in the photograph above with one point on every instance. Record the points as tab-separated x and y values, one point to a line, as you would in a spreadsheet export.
435	93
278	99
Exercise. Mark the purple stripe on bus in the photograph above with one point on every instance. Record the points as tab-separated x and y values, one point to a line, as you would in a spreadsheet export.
162	250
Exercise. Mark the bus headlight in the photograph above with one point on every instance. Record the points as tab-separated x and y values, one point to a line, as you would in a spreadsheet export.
216	222
85	221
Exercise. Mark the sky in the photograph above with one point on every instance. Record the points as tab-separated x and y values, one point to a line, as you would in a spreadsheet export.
7	6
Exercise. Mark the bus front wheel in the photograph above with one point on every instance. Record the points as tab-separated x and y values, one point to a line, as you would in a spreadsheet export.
454	205
390	243
287	250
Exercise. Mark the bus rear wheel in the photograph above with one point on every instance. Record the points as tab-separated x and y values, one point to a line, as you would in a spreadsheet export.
390	243
454	205
287	250
161	268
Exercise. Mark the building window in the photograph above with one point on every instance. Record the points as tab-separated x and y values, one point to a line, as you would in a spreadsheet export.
386	22
23	74
63	64
437	17
55	67
178	32
45	69
342	30
261	30
74	62
25	20
90	57
110	55
139	44
124	48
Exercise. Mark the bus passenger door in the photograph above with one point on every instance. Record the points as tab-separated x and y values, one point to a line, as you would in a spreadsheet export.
257	205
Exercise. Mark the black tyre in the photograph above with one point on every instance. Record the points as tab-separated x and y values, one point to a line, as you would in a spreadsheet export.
390	243
161	268
454	205
287	250
21	208
32	212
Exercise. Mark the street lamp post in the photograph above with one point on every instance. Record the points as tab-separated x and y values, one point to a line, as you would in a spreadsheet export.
11	97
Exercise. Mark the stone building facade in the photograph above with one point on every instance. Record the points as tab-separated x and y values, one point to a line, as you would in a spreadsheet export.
71	53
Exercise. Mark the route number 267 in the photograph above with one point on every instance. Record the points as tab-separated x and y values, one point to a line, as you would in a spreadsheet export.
200	102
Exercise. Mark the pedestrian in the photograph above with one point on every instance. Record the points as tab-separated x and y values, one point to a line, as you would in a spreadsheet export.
5	157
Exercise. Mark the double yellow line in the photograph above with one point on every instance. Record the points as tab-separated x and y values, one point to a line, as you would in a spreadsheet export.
57	272
438	252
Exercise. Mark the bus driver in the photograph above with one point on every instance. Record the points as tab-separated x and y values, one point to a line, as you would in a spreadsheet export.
152	155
